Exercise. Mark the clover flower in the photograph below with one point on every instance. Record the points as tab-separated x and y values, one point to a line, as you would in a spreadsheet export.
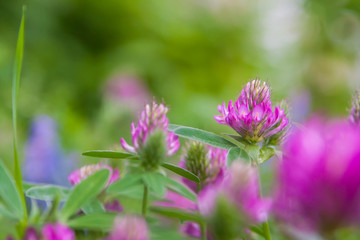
252	115
81	174
318	180
151	138
241	188
129	227
230	207
57	231
355	109
206	162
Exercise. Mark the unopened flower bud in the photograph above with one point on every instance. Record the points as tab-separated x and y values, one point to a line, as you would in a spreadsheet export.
206	162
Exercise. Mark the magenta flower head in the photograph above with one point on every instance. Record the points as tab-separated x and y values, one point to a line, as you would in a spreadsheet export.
57	231
355	109
252	115
234	204
241	188
206	162
80	174
129	227
318	180
150	137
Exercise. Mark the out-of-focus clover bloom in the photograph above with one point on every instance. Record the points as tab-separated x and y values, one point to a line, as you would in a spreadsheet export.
57	231
252	115
241	189
318	180
44	160
30	234
129	227
80	174
231	206
128	91
151	135
176	200
206	162
355	109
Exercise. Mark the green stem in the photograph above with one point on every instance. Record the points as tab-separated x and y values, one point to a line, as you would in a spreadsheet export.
203	231
145	200
266	227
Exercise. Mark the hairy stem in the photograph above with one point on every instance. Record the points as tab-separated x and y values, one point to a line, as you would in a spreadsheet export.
145	200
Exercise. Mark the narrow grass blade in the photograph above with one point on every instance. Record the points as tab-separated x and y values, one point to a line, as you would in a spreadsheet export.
15	92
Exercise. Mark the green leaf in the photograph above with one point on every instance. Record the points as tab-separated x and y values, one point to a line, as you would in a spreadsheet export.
93	206
9	193
257	230
243	142
253	151
181	171
266	153
155	182
177	213
6	213
15	95
126	185
108	154
202	136
236	153
180	189
84	192
95	221
47	192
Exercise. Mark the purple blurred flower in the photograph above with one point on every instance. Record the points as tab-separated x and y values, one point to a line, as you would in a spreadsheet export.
44	161
80	174
113	206
31	234
152	119
318	181
129	227
206	162
129	91
175	200
355	109
241	189
252	116
191	229
57	231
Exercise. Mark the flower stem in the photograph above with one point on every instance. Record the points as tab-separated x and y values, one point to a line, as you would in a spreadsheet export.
266	230
145	200
255	155
203	231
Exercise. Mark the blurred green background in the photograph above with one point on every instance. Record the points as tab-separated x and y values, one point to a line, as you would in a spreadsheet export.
92	64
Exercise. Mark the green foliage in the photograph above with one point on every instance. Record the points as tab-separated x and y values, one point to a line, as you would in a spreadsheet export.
178	214
155	182
201	136
181	171
15	92
94	221
93	206
109	154
236	153
84	192
180	189
47	192
9	195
